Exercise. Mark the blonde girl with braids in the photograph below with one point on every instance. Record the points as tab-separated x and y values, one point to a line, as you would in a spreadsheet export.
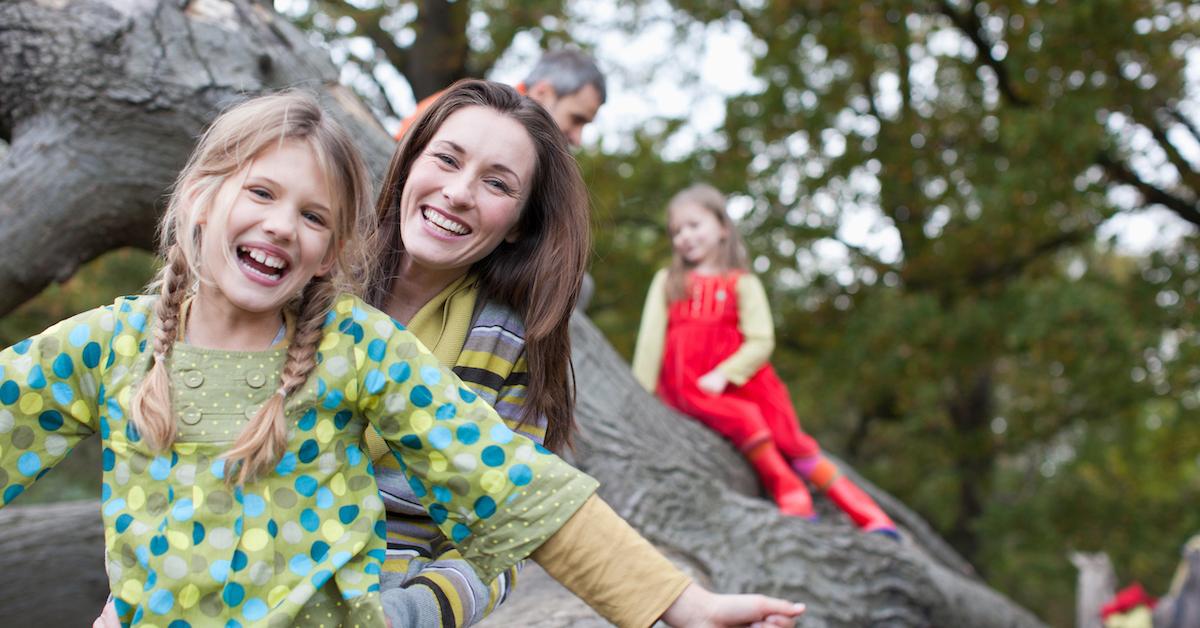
231	405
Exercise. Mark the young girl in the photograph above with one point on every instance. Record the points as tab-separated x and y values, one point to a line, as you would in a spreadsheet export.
231	405
703	345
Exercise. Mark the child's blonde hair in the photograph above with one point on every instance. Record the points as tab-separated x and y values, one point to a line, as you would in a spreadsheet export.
226	150
732	250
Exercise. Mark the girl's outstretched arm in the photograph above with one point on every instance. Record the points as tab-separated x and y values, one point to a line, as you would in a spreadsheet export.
652	333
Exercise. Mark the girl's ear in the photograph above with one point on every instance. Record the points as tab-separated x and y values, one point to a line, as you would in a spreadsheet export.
330	259
190	191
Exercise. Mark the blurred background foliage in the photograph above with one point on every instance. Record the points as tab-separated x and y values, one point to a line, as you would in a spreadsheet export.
931	191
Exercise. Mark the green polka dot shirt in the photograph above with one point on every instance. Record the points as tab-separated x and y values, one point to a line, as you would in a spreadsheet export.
302	545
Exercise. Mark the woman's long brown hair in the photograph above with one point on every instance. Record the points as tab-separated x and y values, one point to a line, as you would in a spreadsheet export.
540	274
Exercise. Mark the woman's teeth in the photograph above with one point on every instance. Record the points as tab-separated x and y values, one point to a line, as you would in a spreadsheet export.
439	220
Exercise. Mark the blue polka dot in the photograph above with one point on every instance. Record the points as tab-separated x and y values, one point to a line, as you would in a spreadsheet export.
287	464
233	594
442	494
377	349
411	441
114	506
255	609
485	507
10	391
161	602
62	393
501	434
50	420
354	455
400	372
374	382
160	468
300	565
131	432
233	623
342	419
358	314
79	335
105	492
308	420
492	456
438	513
63	366
11	492
29	464
417	487
468	433
306	485
520	474
197	533
308	451
440	437
158	545
239	560
420	396
137	320
466	395
218	468
36	379
91	355
324	498
179	623
459	533
431	375
445	411
318	550
340	559
122	523
333	399
347	514
254	505
23	346
321	577
183	509
309	520
321	387
219	570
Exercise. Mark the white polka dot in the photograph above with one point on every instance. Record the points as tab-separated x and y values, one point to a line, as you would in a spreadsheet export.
292	532
395	403
221	538
185	474
372	503
175	567
260	573
465	462
56	445
121	473
327	463
384	329
6	421
337	366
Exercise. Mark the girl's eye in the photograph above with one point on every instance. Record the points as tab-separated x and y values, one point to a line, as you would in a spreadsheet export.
314	218
262	193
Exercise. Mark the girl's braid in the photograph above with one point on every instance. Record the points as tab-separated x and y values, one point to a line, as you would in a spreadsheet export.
152	413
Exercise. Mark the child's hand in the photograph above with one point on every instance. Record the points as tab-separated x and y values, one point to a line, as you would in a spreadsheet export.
108	617
713	382
699	607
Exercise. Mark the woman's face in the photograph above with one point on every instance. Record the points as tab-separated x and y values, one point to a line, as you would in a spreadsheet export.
465	191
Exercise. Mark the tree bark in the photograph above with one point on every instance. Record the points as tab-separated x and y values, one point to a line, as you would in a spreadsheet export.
101	101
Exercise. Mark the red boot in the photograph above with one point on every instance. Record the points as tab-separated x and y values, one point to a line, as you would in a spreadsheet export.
781	481
825	476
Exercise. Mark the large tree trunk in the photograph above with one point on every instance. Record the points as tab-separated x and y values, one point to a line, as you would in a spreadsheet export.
101	101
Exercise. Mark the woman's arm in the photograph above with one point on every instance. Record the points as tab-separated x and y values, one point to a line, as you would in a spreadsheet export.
652	332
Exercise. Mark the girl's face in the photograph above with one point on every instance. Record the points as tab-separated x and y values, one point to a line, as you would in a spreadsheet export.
277	232
465	191
697	235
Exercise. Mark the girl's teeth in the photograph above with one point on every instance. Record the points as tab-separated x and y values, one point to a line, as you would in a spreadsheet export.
266	260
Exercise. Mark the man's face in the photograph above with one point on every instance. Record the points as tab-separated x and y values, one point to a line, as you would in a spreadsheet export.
571	112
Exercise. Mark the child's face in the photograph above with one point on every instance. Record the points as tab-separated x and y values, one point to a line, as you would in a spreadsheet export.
696	235
465	191
277	232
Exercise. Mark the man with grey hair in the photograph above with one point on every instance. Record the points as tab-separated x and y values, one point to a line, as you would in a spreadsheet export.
566	82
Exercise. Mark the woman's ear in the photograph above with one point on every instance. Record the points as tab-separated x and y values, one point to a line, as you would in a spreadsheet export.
512	236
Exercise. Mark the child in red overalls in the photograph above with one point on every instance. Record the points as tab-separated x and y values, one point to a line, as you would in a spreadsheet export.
703	345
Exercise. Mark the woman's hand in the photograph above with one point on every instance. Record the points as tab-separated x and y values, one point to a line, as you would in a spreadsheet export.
713	382
698	607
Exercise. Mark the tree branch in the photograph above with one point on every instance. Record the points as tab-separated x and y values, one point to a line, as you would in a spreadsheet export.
969	23
1151	194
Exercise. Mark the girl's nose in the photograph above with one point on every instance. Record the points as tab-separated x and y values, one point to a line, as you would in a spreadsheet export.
281	223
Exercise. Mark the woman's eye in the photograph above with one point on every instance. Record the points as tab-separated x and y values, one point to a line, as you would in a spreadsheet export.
498	185
446	159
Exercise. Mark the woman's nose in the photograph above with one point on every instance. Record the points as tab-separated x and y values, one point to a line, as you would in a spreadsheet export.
458	191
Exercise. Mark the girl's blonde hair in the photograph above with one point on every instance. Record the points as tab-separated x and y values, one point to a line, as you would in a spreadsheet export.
225	151
732	251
